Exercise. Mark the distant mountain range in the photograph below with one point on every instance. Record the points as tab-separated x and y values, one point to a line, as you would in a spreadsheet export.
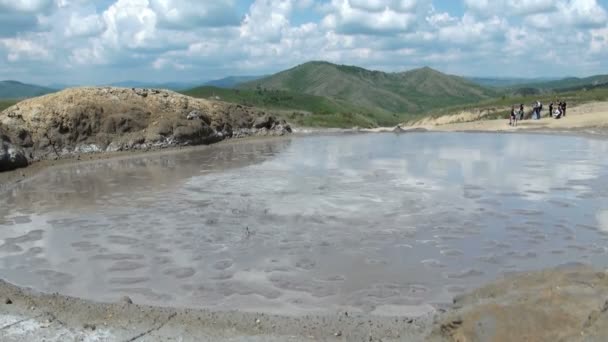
231	81
18	90
226	82
501	82
165	85
572	83
405	92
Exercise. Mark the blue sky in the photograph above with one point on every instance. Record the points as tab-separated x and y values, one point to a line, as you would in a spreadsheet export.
93	42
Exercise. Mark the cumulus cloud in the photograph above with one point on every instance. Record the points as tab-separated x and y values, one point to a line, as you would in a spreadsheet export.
513	7
23	49
267	20
194	13
373	17
31	6
83	26
172	39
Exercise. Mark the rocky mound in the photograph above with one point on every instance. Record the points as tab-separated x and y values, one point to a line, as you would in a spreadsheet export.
85	120
563	304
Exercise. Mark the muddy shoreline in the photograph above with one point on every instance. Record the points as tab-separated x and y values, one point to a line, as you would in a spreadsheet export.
9	178
53	315
566	303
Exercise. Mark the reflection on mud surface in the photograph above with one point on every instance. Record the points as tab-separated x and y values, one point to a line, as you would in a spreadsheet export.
376	223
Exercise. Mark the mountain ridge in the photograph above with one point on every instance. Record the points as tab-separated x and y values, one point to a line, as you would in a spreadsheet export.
11	89
412	91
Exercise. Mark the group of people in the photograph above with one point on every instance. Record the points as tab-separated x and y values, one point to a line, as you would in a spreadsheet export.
556	111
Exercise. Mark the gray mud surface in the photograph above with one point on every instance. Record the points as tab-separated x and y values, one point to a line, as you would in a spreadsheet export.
387	228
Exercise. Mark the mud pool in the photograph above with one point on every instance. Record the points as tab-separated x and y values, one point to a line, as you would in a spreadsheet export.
381	223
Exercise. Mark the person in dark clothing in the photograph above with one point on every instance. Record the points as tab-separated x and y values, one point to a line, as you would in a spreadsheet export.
550	109
513	119
564	105
521	111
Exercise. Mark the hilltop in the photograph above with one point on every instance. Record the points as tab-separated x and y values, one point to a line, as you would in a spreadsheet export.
409	92
18	90
86	120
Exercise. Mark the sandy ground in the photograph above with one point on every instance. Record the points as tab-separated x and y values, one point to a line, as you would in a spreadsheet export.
587	118
590	118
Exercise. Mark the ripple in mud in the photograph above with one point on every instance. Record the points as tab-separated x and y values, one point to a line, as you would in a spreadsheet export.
306	264
433	263
222	264
122	240
117	256
55	278
468	273
560	204
452	252
31	236
122	266
84	246
128	280
10	248
230	288
181	272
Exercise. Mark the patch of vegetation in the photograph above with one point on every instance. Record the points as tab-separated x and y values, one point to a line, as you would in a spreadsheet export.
6	103
301	109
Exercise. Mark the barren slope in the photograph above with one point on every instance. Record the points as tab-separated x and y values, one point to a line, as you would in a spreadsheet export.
84	120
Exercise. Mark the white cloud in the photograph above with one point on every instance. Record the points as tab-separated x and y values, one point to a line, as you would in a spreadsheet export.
172	39
587	13
31	6
129	23
194	13
374	17
20	49
267	20
84	26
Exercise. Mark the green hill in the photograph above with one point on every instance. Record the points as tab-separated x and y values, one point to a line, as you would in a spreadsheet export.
6	103
408	92
301	109
18	90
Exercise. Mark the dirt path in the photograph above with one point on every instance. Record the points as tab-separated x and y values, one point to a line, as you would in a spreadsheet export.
589	118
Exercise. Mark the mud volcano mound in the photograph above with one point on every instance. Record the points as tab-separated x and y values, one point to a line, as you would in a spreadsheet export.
86	120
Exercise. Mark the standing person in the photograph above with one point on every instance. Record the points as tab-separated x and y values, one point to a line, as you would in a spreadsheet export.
550	109
513	119
534	115
521	111
564	108
540	110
